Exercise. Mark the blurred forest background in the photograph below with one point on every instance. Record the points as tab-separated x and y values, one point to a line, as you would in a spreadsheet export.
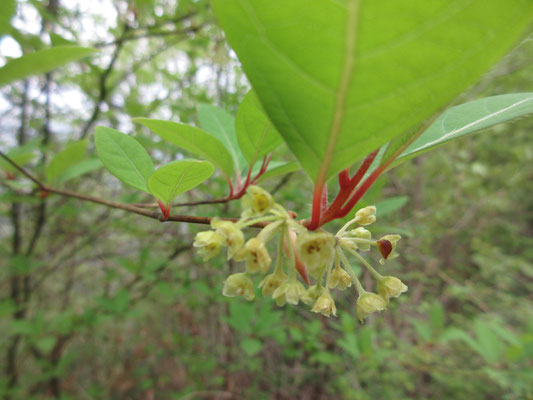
96	303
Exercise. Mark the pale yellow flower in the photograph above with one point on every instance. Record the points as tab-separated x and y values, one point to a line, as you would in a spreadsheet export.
271	282
368	303
390	286
340	278
316	250
256	256
388	253
256	201
366	216
362	233
325	305
232	235
208	243
239	284
290	291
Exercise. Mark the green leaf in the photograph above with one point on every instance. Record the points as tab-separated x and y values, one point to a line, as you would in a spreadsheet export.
437	317
221	125
70	155
124	157
21	155
277	168
390	205
40	62
80	169
468	118
178	177
7	9
251	346
340	78
256	134
193	140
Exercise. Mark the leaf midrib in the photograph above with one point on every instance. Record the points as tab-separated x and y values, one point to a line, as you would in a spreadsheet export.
342	91
128	159
175	187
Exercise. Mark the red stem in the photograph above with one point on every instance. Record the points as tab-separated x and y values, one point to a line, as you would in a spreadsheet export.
344	178
230	187
316	213
345	193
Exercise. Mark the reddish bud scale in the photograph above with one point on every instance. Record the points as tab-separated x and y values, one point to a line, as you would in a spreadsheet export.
164	209
43	194
385	248
10	176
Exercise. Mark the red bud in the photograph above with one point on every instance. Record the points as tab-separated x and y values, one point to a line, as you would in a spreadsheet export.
385	248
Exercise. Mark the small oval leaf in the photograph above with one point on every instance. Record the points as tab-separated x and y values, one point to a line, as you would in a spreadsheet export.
124	157
177	177
192	139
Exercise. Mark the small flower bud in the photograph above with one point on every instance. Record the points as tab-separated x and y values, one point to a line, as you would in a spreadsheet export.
233	236
325	305
362	233
367	303
390	286
316	249
387	247
256	256
239	284
312	294
209	244
291	291
365	216
256	201
340	278
271	282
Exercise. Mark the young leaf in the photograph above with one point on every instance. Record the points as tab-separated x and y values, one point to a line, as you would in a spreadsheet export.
40	62
21	155
124	157
70	155
221	125
469	118
340	78
178	177
193	140
276	168
79	169
256	134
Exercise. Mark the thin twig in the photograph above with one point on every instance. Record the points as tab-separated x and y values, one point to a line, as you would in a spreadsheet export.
122	206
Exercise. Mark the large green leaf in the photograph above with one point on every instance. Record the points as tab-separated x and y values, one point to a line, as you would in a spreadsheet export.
193	140
469	118
124	157
256	134
40	62
69	156
7	9
177	177
339	78
221	125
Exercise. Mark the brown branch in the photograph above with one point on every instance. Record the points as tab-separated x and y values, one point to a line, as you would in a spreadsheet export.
192	219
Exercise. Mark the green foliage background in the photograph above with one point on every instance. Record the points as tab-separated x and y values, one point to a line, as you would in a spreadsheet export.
120	307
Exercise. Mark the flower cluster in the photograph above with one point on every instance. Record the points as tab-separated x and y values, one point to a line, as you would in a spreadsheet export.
319	254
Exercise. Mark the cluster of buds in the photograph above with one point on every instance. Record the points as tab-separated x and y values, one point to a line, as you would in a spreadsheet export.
319	255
